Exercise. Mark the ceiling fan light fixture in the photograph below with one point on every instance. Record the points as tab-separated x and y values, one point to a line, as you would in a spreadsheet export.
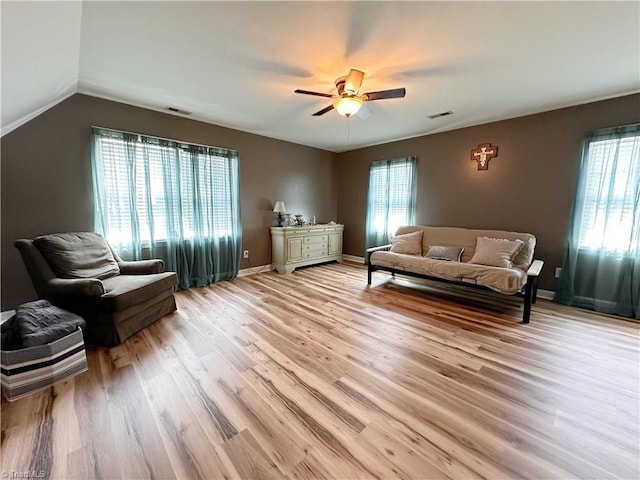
347	106
348	101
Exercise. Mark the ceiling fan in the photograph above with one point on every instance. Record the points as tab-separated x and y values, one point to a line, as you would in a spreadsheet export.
348	102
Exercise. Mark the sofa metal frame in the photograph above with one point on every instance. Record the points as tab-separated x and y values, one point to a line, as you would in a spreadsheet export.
529	292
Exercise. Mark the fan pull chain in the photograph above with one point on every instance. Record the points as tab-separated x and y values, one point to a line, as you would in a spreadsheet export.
348	131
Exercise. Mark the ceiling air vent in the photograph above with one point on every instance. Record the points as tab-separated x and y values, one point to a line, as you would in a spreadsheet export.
177	110
442	114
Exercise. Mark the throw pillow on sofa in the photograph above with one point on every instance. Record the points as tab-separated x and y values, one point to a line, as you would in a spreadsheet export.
496	252
407	243
450	254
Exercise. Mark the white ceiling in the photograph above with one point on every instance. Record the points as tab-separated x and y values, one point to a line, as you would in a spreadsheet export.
237	64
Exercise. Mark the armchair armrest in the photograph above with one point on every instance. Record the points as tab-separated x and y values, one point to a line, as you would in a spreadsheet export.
535	268
369	251
91	287
141	267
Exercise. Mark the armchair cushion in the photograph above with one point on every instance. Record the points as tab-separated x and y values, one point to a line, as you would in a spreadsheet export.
124	291
78	255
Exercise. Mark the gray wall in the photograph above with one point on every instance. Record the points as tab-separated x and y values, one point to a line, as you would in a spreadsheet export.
529	187
46	177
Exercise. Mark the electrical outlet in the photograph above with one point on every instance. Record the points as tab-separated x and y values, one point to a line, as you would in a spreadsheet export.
246	254
558	272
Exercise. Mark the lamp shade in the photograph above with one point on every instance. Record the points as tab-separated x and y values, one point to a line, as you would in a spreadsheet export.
347	106
279	207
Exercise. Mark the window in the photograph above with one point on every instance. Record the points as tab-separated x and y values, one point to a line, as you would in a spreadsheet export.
391	199
170	200
601	266
610	209
157	190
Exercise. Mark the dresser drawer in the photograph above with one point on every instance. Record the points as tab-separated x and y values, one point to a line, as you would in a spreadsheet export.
315	240
321	247
315	254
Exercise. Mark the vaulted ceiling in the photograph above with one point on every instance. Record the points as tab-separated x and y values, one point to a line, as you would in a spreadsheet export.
237	64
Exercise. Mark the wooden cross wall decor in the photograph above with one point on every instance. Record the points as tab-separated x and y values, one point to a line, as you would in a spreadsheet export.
483	154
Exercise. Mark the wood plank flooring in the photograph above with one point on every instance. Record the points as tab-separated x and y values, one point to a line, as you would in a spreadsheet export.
315	375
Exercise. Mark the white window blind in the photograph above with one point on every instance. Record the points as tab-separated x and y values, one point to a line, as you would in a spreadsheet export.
391	198
609	219
158	190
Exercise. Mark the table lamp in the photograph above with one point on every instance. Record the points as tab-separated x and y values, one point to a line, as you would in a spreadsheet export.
279	208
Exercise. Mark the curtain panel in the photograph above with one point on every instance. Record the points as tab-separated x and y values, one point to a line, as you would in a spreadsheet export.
158	198
601	267
391	200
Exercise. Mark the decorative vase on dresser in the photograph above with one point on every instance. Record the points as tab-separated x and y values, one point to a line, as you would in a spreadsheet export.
294	247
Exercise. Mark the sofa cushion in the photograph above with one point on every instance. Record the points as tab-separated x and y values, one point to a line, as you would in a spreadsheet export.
438	252
409	243
496	252
124	291
78	255
503	280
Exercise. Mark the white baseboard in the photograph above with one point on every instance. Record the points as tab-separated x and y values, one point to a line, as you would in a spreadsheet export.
353	259
546	294
253	270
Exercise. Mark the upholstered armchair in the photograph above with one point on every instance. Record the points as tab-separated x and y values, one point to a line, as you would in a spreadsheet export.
82	274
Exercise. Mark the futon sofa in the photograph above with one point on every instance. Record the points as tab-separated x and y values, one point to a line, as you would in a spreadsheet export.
79	272
497	260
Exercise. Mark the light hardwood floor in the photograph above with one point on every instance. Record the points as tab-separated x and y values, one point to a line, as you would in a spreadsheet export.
316	375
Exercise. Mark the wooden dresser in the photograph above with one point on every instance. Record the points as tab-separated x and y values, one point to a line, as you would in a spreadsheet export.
294	247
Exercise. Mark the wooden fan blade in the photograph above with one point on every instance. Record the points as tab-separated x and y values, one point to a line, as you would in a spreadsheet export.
317	94
383	94
323	111
353	81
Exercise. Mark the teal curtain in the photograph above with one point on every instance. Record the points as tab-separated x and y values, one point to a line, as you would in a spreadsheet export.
601	268
391	200
157	198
